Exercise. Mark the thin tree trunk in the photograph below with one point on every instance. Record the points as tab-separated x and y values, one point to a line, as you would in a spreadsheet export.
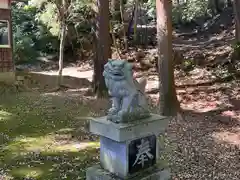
229	3
103	51
114	41
212	6
218	6
61	52
169	105
236	6
123	25
114	7
135	21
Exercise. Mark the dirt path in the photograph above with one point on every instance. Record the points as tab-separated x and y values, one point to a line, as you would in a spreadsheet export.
71	71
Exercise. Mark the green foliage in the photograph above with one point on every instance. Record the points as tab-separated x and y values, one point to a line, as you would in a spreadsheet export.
30	37
193	9
48	16
80	18
184	12
38	138
187	65
78	21
151	6
80	11
190	11
36	28
236	51
23	25
236	47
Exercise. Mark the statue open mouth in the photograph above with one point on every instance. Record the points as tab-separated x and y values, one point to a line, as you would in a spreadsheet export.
117	74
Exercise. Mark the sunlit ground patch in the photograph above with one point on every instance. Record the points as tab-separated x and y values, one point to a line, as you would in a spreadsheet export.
231	136
45	157
5	177
27	172
4	115
43	137
228	137
49	143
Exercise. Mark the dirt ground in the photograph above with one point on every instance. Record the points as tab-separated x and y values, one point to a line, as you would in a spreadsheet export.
205	143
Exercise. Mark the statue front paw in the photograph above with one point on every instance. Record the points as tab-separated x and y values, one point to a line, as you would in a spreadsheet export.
121	113
113	111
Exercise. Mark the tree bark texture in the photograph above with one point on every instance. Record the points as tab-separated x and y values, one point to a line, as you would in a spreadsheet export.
123	25
103	51
236	7
229	3
61	52
169	105
62	8
115	10
135	21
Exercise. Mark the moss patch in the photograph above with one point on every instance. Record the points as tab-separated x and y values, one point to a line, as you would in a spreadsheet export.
40	137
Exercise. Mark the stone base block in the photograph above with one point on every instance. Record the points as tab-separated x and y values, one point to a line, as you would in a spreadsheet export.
97	173
121	159
123	132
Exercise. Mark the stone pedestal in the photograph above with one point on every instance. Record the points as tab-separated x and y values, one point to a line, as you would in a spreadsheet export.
128	150
98	173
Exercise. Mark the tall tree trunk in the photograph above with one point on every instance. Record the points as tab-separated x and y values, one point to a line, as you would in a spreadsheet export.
135	21
61	52
113	5
236	6
213	6
218	6
229	3
114	11
123	25
169	105
103	51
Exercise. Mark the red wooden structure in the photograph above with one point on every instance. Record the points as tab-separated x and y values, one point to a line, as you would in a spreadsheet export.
6	55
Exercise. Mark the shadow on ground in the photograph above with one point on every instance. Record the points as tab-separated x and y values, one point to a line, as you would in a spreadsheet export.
205	148
43	137
206	142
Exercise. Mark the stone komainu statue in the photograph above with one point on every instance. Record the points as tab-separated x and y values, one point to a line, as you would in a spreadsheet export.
129	101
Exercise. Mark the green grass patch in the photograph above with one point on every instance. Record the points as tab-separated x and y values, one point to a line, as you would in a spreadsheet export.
40	137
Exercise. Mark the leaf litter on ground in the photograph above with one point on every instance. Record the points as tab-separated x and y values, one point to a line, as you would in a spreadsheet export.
48	131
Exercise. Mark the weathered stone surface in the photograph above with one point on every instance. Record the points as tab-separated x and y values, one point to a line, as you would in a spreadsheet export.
114	156
123	158
129	102
155	124
97	173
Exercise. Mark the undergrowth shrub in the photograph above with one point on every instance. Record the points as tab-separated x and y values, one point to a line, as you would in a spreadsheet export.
236	51
29	37
36	29
184	12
